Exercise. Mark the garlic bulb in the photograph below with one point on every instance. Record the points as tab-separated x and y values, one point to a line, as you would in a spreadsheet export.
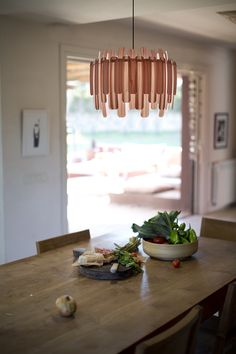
66	305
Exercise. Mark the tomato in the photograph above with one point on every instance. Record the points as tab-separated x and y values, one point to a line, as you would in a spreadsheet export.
176	263
159	239
134	254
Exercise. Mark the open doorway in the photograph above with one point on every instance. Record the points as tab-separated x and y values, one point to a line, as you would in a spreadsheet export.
122	168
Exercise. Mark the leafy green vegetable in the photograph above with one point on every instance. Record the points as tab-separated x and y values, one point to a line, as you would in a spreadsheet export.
166	225
174	237
192	235
126	255
159	225
128	260
131	246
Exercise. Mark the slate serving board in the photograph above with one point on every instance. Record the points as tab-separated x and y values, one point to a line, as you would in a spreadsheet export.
103	273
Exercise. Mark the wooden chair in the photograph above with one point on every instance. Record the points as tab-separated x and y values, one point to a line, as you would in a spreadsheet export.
60	241
221	229
179	339
218	334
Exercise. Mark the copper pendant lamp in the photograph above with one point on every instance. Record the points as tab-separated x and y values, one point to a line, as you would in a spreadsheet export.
135	79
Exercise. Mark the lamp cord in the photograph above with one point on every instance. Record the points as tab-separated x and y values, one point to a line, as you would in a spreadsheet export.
132	24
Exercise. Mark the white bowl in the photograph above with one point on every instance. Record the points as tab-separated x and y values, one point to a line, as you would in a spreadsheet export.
169	252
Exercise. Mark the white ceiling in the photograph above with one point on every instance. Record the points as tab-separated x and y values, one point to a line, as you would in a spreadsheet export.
198	17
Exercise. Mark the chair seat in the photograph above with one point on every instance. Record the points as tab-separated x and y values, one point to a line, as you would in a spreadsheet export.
218	334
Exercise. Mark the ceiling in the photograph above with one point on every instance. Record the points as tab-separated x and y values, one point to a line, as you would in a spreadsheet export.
193	17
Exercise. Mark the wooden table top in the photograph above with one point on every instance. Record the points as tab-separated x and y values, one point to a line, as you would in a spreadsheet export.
111	315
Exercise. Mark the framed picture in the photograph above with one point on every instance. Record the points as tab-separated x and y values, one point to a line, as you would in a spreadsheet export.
221	130
35	137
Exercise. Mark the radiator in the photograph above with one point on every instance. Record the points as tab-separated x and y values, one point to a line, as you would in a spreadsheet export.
223	182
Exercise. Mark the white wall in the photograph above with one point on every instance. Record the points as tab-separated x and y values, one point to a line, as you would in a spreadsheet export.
30	62
32	185
221	99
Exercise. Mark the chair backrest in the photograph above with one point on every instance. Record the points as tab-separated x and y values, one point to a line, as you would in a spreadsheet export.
60	241
179	339
227	323
221	229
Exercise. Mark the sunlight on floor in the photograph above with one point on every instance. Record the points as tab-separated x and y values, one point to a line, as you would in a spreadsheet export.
89	207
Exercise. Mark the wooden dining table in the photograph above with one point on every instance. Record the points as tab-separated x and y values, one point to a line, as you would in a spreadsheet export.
112	316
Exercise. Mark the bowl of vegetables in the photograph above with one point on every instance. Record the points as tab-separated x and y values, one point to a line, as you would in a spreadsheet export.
164	238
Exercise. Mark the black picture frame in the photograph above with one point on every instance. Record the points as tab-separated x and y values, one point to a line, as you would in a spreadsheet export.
221	130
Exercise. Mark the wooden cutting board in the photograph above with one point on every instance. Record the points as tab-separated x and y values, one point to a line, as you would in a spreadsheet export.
103	273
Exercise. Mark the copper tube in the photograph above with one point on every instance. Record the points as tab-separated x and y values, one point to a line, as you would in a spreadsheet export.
103	108
96	77
91	78
145	110
153	105
132	53
163	94
132	76
146	66
175	77
121	106
139	95
125	74
165	82
96	101
169	77
161	113
105	76
152	94
99	82
118	76
96	98
102	97
113	97
159	76
132	101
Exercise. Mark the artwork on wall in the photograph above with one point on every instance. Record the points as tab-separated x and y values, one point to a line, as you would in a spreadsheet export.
35	137
221	130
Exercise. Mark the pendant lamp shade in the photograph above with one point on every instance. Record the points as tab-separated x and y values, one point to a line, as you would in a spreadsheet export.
140	80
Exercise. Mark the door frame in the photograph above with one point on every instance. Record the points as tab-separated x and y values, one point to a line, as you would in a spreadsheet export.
199	166
85	54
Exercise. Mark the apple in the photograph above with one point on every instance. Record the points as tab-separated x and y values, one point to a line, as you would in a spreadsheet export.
66	305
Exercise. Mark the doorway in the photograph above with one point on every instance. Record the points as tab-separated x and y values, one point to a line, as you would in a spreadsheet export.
123	170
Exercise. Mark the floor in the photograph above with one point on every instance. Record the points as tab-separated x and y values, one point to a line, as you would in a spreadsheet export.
95	211
89	206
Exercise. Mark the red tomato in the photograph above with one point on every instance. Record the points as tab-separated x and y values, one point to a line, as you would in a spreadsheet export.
134	254
176	263
159	239
148	239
